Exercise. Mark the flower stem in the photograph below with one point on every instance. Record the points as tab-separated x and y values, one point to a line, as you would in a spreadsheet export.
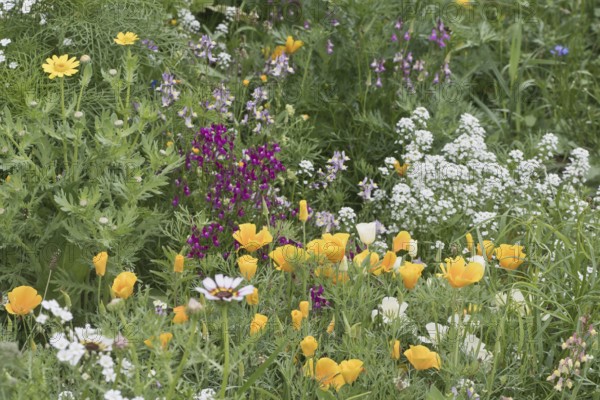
99	289
226	352
186	355
128	95
64	118
306	275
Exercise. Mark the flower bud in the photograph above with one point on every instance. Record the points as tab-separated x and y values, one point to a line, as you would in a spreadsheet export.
112	72
194	306
118	123
303	211
85	59
78	115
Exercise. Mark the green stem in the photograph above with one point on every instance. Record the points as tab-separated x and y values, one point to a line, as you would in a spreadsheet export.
62	99
128	95
134	357
186	355
305	72
64	118
99	291
306	273
226	352
290	285
80	97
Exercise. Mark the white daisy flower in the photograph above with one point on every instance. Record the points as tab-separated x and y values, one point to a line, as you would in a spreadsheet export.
224	288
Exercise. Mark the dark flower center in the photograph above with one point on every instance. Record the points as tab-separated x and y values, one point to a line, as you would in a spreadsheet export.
223	294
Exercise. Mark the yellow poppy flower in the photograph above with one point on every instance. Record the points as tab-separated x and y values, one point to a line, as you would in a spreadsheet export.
60	66
292	46
402	241
297	319
123	285
489	249
304	307
335	246
258	323
279	50
99	262
22	300
351	369
459	274
422	358
248	266
253	298
164	339
178	263
410	273
360	258
263	78
401	169
287	257
331	326
510	256
303	211
325	371
250	240
126	39
386	265
470	242
396	349
309	345
245	82
180	315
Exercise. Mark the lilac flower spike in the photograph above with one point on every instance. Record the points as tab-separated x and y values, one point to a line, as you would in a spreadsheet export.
439	34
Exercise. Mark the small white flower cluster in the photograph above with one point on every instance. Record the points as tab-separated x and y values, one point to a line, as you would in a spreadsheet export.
205	394
4	42
306	168
52	305
547	147
188	21
579	166
115	394
466	182
347	217
108	370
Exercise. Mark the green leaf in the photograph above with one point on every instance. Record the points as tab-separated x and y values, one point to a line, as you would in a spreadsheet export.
434	394
515	52
261	370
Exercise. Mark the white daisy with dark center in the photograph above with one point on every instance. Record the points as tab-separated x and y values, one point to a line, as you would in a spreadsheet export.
223	288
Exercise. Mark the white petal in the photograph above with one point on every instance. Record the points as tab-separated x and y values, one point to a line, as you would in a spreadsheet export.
236	282
367	232
423	339
436	332
209	284
246	290
220	280
403	308
209	296
201	290
374	314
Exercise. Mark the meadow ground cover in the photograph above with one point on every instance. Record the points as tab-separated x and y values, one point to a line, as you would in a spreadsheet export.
299	200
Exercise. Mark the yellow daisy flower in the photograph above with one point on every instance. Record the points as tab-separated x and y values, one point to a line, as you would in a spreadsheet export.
126	39
60	66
